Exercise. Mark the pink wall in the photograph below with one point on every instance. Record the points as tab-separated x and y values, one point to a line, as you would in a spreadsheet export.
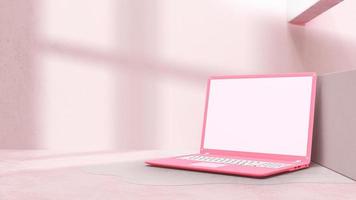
328	43
18	76
97	75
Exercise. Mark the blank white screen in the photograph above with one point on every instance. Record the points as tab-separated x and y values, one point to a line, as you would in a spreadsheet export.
261	115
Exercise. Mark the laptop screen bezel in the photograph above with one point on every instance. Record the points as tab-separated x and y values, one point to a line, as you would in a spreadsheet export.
263	155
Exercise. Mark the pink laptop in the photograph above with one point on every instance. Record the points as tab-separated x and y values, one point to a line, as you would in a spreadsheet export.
254	125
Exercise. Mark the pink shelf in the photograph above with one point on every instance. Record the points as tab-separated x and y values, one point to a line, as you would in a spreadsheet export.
315	10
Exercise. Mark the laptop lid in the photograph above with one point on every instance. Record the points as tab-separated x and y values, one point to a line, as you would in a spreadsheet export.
260	115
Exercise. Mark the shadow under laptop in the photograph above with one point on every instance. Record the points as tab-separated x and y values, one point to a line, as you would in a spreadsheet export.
136	172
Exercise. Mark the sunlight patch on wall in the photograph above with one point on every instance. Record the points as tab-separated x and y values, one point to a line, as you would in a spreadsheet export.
88	23
77	104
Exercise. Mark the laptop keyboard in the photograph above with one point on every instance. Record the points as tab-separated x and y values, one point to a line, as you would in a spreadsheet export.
231	161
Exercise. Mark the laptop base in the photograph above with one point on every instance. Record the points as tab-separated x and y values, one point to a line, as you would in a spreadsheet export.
231	169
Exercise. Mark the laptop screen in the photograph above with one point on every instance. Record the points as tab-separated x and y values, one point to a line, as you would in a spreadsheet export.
262	115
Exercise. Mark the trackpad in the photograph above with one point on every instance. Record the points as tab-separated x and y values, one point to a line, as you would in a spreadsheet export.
206	164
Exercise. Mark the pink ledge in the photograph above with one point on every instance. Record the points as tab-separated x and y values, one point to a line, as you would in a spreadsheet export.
315	10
